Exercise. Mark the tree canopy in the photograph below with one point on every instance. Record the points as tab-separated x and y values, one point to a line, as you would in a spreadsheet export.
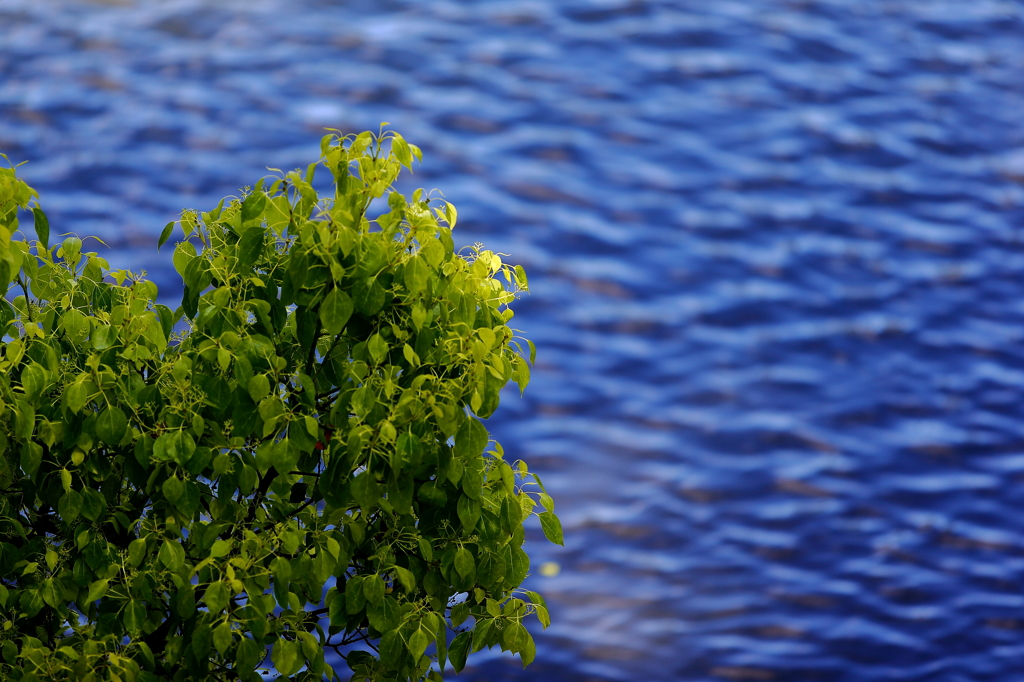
289	464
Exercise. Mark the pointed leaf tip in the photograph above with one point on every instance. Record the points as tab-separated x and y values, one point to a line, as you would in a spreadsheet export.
165	234
42	226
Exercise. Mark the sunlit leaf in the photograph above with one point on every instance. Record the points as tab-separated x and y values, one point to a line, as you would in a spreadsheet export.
165	234
552	527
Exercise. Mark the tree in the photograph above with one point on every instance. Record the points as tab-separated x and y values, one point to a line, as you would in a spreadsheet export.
291	462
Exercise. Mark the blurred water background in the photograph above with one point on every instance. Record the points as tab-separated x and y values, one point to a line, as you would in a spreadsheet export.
775	252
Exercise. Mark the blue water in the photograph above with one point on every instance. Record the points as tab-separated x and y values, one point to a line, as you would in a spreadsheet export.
777	270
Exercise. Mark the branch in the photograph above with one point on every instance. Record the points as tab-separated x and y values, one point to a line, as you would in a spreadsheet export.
28	303
261	492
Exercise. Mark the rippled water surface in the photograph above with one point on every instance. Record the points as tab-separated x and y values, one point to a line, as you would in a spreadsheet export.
776	259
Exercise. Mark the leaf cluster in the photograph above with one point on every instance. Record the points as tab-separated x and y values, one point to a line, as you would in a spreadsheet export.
292	462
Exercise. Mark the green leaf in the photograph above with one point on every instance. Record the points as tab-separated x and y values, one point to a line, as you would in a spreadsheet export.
335	311
50	594
134	616
201	640
65	479
410	356
470	439
418	643
220	549
97	590
259	387
508	477
460	612
459	649
136	551
419	315
183	254
378	348
70	506
527	650
197	274
180	446
522	282
249	654
385	615
111	425
451	215
78	395
222	638
253	205
366	490
355	599
406	578
521	373
172	555
185	601
469	513
400	148
42	225
33	379
310	646
552	527
433	494
165	234
336	611
103	337
173	489
282	570
432	252
464	563
217	596
93	504
368	296
514	636
455	471
31	457
520	567
426	549
511	514
373	589
441	640
76	325
286	657
166	316
250	247
482	634
392	649
416	275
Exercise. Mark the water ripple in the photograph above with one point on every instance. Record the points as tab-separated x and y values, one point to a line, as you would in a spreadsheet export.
775	252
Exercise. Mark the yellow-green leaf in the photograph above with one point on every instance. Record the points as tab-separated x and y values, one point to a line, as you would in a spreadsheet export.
335	311
97	590
285	657
552	527
464	563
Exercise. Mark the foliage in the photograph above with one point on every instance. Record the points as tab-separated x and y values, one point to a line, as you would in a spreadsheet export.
301	468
